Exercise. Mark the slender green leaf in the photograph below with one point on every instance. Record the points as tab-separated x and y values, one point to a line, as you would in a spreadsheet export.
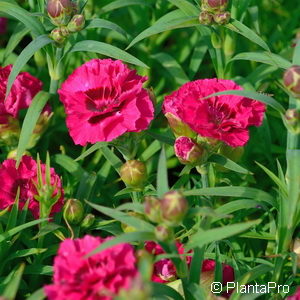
162	175
91	150
11	290
37	44
131	237
186	7
112	158
172	20
202	237
23	16
233	191
265	58
101	23
172	67
242	29
253	95
160	290
227	163
123	3
37	295
123	217
31	118
6	235
107	50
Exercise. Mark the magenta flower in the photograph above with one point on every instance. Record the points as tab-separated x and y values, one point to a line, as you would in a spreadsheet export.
296	296
225	118
3	25
104	99
25	178
99	277
24	88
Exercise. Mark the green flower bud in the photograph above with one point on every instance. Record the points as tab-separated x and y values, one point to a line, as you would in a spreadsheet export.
291	80
163	233
222	18
153	209
57	36
88	221
292	118
206	18
40	58
60	11
187	151
9	130
214	5
174	207
178	127
134	173
64	31
127	228
73	211
77	23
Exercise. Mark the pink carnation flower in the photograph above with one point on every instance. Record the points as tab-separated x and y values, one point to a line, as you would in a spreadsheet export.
99	277
224	118
164	270
3	25
25	177
24	88
104	99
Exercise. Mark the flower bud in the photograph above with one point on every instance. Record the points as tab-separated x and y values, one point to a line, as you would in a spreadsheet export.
178	127
163	233
206	18
291	80
187	151
60	11
73	211
153	209
127	228
174	207
292	118
88	221
214	5
134	173
222	18
64	31
77	23
9	130
57	36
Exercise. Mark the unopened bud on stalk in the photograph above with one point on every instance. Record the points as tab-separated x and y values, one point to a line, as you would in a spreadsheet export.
206	18
222	18
153	209
188	151
163	233
9	130
73	211
57	36
214	5
134	173
174	207
292	117
88	221
60	11
77	23
291	80
296	249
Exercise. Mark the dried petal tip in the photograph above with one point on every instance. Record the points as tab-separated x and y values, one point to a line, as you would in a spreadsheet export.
134	173
73	211
174	207
77	23
187	151
214	5
206	18
291	80
153	209
222	18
